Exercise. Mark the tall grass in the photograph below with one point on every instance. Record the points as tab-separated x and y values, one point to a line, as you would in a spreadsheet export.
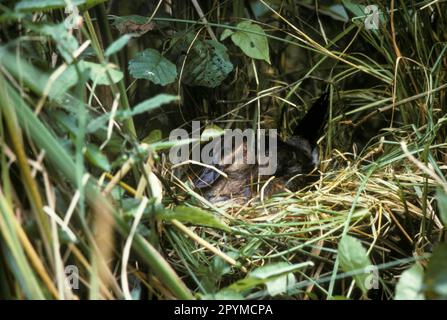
85	184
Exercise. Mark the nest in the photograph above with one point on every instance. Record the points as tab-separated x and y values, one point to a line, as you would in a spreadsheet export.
381	206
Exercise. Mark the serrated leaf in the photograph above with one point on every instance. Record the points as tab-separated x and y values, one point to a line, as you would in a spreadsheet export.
252	40
194	216
442	205
152	66
207	64
353	258
118	44
410	284
436	275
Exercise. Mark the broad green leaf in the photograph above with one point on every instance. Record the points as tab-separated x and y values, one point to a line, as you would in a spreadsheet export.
265	274
97	158
358	10
66	121
152	66
98	72
92	152
276	269
410	284
118	44
353	258
66	43
153	103
280	284
207	64
436	275
45	5
246	284
69	77
442	206
220	267
64	82
194	216
252	40
152	137
340	12
101	121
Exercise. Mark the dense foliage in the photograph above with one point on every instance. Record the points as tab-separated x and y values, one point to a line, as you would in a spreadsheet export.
90	206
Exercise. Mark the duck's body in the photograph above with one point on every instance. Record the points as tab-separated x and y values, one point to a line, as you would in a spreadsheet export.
243	181
296	157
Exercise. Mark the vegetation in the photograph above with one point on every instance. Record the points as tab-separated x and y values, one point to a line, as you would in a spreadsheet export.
90	206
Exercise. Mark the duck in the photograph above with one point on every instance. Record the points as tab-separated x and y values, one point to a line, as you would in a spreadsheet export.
297	157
